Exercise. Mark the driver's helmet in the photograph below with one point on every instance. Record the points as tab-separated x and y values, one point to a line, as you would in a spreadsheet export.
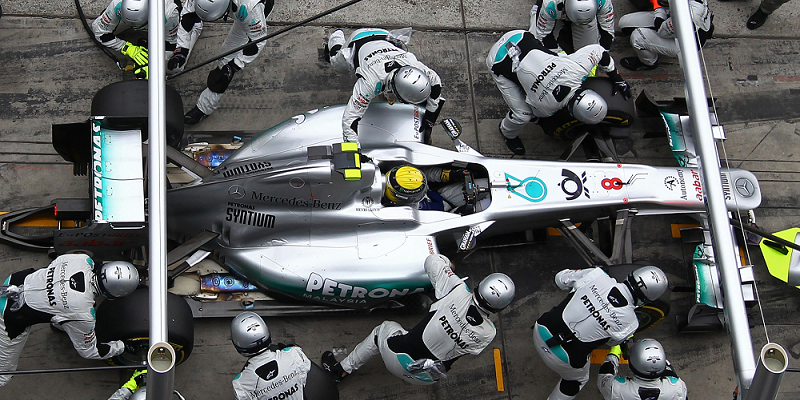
588	106
410	85
117	279
647	283
134	12
405	185
249	334
211	10
495	292
581	11
647	359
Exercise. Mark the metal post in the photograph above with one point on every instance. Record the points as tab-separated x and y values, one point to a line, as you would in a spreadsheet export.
722	237
160	377
767	380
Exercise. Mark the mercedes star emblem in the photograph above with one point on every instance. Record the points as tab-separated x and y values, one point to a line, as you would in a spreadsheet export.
237	192
745	187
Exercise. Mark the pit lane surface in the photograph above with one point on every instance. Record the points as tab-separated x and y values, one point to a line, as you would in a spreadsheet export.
51	71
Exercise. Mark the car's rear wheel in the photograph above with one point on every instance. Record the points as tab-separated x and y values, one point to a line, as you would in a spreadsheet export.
128	319
129	100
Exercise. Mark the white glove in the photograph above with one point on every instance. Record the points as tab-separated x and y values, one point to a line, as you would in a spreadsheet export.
122	393
117	348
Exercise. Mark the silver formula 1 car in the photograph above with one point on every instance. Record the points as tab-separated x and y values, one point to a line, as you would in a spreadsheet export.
295	214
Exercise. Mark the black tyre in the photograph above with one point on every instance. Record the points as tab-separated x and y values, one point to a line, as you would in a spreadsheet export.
620	114
128	319
320	385
129	100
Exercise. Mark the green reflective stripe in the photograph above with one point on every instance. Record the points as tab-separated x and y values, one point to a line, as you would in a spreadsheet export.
502	51
3	299
620	379
369	33
239	375
557	350
93	313
673	379
405	360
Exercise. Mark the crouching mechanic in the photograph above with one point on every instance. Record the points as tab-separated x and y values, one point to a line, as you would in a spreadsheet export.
249	25
536	83
62	294
653	376
272	371
383	66
654	34
598	311
584	21
457	324
123	15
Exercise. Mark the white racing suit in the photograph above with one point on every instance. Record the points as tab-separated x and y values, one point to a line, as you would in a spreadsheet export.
455	326
374	60
598	311
549	17
249	25
108	25
280	372
535	82
62	294
655	33
615	387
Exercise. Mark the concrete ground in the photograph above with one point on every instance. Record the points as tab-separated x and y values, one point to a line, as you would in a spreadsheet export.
51	71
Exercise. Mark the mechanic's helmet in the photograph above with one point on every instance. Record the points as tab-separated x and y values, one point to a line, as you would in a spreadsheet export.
134	12
140	394
405	185
117	279
411	85
211	10
495	292
588	106
647	359
647	283
249	334
581	11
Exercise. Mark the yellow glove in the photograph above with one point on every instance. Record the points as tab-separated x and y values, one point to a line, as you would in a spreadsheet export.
616	350
136	381
142	72
137	53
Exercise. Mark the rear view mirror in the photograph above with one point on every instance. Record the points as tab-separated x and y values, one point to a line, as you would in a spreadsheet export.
452	127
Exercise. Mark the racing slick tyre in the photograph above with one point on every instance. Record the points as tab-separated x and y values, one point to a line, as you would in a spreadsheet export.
128	319
320	385
129	99
652	312
617	123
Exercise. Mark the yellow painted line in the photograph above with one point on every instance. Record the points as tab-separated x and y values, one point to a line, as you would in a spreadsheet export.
676	228
45	222
498	371
599	356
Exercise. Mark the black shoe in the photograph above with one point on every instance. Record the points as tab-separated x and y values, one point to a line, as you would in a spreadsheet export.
634	64
757	19
515	145
332	366
194	116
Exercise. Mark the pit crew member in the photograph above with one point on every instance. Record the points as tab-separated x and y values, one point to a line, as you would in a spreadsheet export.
457	324
249	25
62	294
654	33
272	370
383	66
597	311
585	21
536	83
653	376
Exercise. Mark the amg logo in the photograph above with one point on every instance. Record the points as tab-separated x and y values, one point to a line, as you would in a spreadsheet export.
253	218
247	169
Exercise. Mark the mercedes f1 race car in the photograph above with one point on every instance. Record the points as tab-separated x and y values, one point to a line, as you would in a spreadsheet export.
294	214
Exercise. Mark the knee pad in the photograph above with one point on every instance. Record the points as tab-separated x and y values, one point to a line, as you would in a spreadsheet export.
569	388
217	82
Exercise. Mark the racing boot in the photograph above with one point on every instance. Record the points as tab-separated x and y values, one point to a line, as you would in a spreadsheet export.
634	64
194	116
515	144
333	367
